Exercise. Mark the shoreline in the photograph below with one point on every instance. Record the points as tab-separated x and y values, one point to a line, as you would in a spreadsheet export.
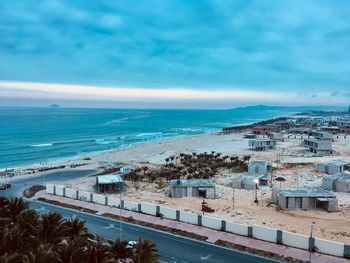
80	157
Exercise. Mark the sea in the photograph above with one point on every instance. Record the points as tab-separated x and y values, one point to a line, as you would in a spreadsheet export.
38	135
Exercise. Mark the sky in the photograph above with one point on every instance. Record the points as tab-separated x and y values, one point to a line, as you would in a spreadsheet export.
200	54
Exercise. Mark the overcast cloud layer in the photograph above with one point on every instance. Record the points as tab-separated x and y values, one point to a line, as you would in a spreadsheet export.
299	47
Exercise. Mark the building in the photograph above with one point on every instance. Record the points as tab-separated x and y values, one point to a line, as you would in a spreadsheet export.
262	144
125	169
249	136
249	181
256	176
259	167
333	167
320	135
260	130
192	188
275	136
319	147
304	198
109	183
337	182
331	129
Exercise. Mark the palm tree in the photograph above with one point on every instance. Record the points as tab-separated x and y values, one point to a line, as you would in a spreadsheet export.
76	228
51	228
118	250
14	207
42	254
97	252
145	252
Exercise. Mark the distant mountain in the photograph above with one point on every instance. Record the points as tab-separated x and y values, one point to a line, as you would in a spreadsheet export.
54	106
294	108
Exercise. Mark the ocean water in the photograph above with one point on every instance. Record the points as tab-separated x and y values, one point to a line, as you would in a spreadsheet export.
35	135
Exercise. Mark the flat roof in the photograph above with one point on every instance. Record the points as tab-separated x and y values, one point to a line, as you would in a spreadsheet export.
304	192
252	177
192	183
336	162
109	179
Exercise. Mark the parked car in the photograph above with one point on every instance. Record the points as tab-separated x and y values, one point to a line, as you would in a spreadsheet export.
131	245
5	186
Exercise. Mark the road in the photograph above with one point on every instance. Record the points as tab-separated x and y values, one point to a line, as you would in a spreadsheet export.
173	248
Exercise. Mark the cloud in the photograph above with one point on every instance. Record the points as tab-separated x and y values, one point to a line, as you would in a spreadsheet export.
156	96
206	45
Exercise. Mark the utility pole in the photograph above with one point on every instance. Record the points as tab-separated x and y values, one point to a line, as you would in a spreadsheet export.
233	198
311	247
120	215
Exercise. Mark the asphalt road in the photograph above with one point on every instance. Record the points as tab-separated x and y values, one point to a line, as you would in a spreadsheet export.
173	248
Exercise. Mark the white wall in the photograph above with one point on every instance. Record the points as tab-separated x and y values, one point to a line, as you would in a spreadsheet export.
59	190
237	228
188	217
49	188
113	201
85	196
329	247
265	233
71	193
130	205
149	208
295	240
168	212
99	199
211	222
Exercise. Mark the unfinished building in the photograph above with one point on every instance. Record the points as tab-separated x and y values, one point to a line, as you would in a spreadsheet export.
262	144
109	183
337	182
333	167
192	188
255	177
304	198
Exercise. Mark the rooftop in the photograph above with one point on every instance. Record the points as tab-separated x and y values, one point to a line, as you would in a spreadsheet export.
252	177
109	179
192	183
304	192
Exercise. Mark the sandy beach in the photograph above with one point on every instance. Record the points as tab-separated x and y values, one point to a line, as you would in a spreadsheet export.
295	166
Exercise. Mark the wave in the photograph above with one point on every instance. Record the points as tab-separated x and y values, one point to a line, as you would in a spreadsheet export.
149	134
41	145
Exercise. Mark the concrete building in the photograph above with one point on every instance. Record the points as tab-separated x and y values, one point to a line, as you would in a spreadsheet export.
249	136
249	181
320	135
192	188
337	182
333	167
257	174
109	183
262	144
275	136
319	147
331	129
304	198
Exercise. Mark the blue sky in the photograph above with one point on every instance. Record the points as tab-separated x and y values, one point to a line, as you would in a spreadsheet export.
296	50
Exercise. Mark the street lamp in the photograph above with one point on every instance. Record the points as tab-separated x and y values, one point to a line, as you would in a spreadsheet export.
311	247
256	191
233	198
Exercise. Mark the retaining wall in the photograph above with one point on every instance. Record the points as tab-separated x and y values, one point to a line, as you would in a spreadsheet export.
84	196
295	240
99	199
50	188
149	209
168	213
113	202
212	222
188	217
130	205
265	233
71	193
237	228
59	190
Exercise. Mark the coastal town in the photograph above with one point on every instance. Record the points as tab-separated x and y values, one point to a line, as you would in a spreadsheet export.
284	173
